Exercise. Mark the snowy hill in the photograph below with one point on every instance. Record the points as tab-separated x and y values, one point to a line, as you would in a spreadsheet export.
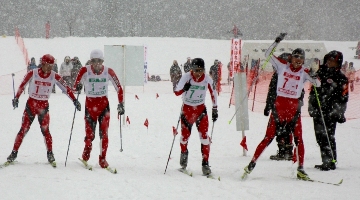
142	163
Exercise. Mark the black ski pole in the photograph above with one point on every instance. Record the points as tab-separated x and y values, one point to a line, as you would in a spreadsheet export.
12	75
121	149
212	130
172	145
72	126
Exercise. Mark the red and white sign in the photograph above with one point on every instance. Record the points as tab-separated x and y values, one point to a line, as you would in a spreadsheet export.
235	58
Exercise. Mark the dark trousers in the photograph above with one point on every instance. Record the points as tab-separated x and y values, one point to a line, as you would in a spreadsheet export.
322	137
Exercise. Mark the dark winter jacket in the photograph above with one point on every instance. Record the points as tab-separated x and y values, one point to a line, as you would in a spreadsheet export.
214	72
333	95
271	96
55	68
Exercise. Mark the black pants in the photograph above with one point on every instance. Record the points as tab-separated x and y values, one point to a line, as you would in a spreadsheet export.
322	139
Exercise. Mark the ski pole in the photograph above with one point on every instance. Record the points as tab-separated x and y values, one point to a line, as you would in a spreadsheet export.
13	83
212	130
121	149
323	121
172	145
254	81
72	126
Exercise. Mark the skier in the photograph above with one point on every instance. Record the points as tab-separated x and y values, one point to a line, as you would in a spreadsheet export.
42	80
175	74
96	79
283	136
192	86
187	65
333	96
291	79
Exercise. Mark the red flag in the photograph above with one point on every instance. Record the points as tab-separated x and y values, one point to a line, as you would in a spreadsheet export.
146	123
127	120
136	97
157	95
243	143
294	158
174	131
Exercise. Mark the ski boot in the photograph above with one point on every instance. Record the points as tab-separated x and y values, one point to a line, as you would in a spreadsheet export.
301	174
280	155
326	166
288	152
102	162
206	168
11	158
51	158
248	169
184	159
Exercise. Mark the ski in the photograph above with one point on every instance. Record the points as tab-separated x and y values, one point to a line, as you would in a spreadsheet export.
53	164
244	176
111	170
7	163
85	164
317	181
211	176
185	171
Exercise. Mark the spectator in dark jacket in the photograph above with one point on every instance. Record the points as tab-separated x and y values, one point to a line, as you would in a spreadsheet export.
187	65
214	73
332	96
32	65
76	67
175	73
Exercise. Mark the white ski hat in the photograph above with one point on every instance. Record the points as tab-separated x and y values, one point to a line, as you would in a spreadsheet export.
96	53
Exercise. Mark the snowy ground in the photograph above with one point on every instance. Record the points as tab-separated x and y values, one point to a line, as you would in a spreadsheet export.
142	163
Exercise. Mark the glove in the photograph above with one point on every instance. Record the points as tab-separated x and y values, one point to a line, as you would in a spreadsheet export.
280	37
79	87
214	114
15	103
187	86
121	109
77	104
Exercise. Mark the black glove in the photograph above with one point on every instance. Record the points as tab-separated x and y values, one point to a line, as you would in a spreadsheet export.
79	87
214	114
15	103
266	111
121	109
77	105
187	86
280	37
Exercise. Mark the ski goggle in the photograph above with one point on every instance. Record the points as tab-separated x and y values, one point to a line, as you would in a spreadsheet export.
298	56
97	60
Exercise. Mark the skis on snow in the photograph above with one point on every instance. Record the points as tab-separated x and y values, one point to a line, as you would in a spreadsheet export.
89	167
189	173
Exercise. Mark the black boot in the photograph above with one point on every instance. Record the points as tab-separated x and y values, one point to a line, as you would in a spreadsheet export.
12	156
280	155
50	157
206	168
184	159
288	152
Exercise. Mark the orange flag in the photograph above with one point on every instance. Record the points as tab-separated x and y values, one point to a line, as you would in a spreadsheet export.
136	97
146	123
157	95
243	143
127	120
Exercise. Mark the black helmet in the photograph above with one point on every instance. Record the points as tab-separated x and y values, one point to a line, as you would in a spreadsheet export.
285	56
337	56
198	62
298	51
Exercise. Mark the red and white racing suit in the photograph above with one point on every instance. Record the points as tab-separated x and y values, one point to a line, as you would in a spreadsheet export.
40	88
289	86
97	105
194	110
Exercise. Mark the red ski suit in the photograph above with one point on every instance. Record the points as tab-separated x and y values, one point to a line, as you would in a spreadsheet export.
38	107
97	106
194	110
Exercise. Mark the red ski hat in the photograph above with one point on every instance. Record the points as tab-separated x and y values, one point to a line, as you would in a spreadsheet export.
47	58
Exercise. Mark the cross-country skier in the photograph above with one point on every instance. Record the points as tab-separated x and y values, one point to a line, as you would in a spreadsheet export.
283	134
96	79
192	86
333	96
41	83
291	79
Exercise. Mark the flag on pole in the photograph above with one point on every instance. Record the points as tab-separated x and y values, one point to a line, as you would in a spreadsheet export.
127	120
243	143
146	123
174	131
136	97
